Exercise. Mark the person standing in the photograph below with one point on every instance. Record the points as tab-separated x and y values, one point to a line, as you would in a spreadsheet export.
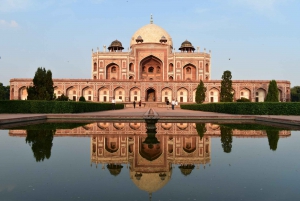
173	104
113	103
140	104
167	102
134	104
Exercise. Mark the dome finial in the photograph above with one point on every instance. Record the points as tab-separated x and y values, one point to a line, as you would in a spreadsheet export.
151	20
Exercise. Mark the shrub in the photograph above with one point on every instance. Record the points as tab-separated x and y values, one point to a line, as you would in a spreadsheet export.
82	99
34	106
262	108
243	100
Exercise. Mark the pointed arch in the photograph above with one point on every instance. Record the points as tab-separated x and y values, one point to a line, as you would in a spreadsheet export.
112	71
119	94
23	93
214	95
88	93
189	72
150	68
166	93
182	95
260	95
135	94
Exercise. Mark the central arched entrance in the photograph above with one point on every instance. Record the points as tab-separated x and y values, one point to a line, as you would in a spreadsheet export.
150	95
151	68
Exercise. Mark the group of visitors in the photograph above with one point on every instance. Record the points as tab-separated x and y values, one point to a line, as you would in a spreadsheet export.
173	103
140	104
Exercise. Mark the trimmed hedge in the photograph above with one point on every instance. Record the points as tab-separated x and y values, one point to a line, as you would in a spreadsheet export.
35	106
262	108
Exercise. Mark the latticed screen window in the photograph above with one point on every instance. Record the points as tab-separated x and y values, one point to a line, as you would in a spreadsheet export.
120	92
181	93
135	93
58	92
104	92
74	92
242	93
211	93
90	92
166	93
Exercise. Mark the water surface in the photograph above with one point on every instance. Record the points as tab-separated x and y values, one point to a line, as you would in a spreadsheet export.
137	161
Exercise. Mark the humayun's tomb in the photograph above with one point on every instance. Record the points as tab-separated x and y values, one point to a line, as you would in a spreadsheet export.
151	71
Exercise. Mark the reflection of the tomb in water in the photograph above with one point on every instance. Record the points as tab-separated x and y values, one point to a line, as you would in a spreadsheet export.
152	153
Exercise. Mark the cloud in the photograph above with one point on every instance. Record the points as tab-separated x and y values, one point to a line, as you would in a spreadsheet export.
11	24
262	4
14	5
97	1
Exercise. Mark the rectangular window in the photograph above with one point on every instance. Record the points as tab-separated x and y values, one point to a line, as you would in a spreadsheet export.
135	98
120	97
181	99
104	99
74	98
90	98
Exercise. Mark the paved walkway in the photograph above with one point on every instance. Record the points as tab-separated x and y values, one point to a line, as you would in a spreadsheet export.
139	113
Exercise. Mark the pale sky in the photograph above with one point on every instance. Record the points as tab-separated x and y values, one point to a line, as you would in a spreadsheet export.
260	37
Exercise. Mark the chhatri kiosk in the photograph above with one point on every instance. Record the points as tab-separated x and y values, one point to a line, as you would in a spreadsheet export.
151	71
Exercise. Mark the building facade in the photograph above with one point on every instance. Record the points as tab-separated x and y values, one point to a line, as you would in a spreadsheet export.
151	71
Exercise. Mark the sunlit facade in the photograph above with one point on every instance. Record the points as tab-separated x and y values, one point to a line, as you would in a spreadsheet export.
151	71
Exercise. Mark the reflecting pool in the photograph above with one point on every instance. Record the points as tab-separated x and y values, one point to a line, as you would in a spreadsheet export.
149	161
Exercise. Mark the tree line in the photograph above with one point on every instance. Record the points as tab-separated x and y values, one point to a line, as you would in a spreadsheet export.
227	92
43	89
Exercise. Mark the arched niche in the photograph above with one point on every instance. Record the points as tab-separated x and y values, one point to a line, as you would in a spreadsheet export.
150	68
182	95
112	144
23	93
119	94
88	93
112	71
72	93
260	95
189	72
103	94
166	94
245	93
135	94
213	95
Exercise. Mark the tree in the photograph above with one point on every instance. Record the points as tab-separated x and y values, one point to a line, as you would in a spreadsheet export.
200	92
226	94
4	92
226	138
82	98
273	137
273	93
295	94
201	129
41	143
42	88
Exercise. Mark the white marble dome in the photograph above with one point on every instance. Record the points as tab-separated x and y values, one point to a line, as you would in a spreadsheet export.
151	33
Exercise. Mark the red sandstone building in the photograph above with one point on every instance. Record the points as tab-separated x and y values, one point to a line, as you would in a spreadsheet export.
151	71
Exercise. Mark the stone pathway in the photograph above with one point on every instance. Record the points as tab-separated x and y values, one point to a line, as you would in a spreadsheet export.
138	114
